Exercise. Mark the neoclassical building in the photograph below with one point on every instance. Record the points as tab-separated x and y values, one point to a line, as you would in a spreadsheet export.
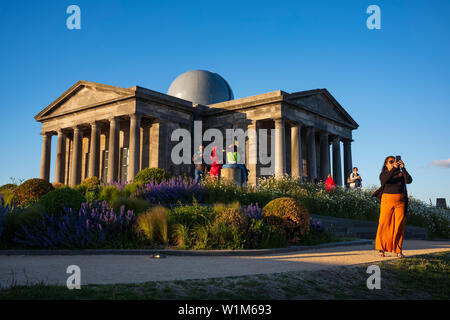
112	132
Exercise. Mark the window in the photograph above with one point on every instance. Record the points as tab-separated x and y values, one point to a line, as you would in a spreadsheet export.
105	166
123	164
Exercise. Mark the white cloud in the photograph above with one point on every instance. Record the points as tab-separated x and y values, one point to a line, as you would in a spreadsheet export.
441	163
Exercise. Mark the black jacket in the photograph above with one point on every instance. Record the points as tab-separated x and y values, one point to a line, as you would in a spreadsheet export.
392	182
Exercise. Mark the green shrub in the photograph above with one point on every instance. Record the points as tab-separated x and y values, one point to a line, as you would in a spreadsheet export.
15	218
31	191
272	238
137	205
288	216
179	236
130	189
199	238
231	215
225	192
91	182
8	197
110	194
7	187
90	187
58	185
191	215
55	201
262	236
225	236
152	225
148	174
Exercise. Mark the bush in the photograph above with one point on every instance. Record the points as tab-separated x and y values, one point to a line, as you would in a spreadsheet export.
152	225
191	215
227	192
180	236
31	191
93	226
225	236
169	192
8	197
110	194
137	205
55	201
58	185
15	217
90	188
91	182
148	175
289	217
230	215
7	187
130	190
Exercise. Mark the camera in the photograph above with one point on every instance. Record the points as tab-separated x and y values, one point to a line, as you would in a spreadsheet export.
398	158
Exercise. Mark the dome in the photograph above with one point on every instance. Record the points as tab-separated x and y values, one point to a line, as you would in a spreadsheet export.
201	87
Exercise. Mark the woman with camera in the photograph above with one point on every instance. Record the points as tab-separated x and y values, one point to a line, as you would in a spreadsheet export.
394	203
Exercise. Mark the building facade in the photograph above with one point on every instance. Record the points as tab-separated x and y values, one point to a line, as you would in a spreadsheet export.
112	132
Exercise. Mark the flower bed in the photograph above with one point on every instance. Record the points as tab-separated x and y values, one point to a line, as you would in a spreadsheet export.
209	214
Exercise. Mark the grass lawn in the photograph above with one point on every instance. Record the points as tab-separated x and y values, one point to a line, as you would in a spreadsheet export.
420	277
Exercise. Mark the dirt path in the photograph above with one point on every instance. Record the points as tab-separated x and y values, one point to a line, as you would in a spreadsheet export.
110	269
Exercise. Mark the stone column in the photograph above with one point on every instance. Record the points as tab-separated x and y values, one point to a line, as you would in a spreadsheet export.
280	147
296	151
76	161
324	156
60	158
45	155
134	146
93	151
252	153
337	170
158	144
312	167
347	159
113	150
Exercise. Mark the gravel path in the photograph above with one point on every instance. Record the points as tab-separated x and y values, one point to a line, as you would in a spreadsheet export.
110	269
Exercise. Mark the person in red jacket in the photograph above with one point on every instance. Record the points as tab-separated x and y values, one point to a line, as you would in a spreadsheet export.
216	166
329	184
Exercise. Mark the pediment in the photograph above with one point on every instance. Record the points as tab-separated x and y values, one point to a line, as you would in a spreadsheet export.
81	96
323	103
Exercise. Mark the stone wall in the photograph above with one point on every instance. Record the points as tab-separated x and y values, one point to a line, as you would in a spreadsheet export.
363	229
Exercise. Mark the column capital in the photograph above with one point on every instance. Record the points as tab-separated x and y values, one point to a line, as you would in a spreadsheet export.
298	124
46	134
347	141
278	119
135	116
336	138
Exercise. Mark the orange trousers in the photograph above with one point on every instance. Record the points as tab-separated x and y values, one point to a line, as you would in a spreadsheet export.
391	225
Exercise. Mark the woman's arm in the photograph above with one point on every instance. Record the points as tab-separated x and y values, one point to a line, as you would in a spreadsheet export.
385	176
408	178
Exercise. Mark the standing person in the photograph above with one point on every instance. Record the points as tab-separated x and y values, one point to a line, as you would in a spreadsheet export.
354	179
216	166
233	158
393	207
200	166
329	184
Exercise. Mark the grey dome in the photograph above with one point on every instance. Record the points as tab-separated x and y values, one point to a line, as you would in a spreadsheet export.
201	87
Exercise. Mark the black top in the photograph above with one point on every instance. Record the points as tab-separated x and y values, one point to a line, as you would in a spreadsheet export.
393	181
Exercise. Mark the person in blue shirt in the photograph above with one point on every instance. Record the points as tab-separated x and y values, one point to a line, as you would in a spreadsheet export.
233	161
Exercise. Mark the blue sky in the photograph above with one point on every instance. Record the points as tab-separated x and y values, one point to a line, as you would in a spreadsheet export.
393	81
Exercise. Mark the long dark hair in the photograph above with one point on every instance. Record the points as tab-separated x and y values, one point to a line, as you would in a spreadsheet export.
384	168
